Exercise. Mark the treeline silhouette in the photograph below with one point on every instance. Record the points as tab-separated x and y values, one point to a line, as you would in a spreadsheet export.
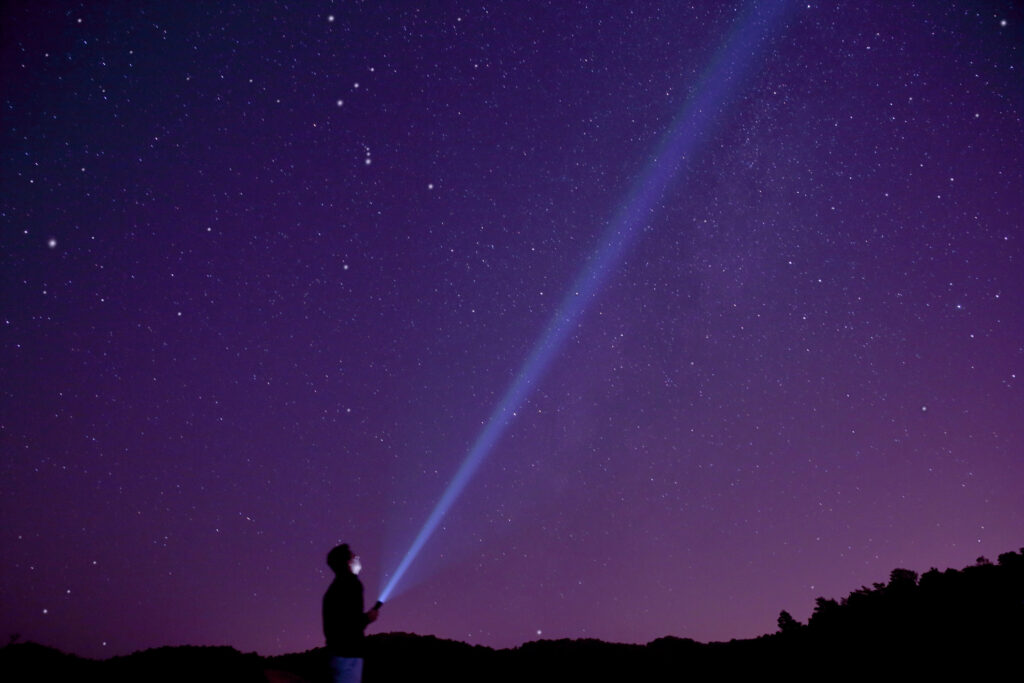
940	624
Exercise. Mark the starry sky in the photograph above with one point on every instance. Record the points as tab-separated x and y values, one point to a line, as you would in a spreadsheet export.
268	268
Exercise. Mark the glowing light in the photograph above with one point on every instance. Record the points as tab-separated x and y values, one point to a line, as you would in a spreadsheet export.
719	82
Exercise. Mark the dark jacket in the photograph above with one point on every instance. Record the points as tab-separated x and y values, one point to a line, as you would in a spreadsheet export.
344	617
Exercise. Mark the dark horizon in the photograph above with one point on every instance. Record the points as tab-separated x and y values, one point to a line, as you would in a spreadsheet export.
972	615
267	270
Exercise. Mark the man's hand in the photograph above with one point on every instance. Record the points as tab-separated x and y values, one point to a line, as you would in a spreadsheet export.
371	616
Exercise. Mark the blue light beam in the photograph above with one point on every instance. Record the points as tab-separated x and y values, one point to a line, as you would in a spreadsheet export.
720	81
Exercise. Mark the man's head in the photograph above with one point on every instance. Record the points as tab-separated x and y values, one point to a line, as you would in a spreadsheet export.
339	557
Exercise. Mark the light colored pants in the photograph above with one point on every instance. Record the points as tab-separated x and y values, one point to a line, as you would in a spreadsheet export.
346	669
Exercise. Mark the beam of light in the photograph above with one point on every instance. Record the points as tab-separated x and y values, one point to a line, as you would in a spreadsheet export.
719	82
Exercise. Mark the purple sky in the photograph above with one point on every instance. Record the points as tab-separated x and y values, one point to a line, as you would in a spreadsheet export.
267	269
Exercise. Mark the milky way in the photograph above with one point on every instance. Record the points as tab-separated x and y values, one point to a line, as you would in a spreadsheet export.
268	269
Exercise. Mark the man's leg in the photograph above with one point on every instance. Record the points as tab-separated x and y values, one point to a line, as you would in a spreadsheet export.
346	669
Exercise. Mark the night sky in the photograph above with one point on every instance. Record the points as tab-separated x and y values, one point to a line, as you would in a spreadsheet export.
268	268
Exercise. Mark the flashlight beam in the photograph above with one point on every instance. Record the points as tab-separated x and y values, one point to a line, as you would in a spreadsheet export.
720	81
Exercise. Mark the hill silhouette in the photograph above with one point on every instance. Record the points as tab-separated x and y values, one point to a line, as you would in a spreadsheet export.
941	623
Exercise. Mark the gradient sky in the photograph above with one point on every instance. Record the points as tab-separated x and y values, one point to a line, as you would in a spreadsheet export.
267	268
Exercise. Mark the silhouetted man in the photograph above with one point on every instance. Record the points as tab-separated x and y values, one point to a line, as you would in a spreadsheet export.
344	619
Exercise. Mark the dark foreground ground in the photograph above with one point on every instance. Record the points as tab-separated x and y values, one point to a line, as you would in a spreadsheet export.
967	622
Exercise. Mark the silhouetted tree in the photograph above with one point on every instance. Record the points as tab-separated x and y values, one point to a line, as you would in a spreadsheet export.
826	613
902	578
1012	560
787	624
